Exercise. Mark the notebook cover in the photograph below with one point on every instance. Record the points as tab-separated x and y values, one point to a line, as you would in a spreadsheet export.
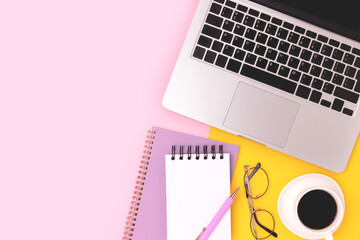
150	220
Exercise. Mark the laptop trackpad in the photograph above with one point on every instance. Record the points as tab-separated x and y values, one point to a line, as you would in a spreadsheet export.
261	115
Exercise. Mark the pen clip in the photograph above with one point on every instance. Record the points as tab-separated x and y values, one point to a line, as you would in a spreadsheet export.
200	233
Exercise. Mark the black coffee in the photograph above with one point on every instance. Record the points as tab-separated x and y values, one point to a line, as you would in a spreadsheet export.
317	209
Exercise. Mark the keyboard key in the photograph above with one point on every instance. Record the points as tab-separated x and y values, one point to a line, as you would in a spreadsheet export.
268	78
310	34
220	1
303	91
357	77
315	96
210	56
304	42
238	17
250	33
215	8
299	30
204	41
326	50
326	75
338	54
250	58
293	37
226	12
233	65
315	46
357	87
217	46
348	58
284	71
284	46
349	83
339	67
211	31
317	59
249	21
346	95
293	62
261	62
261	38
294	50
306	79
325	103
350	71
239	54
214	20
226	37
260	25
221	61
254	12
230	4
348	111
357	62
334	43
260	50
238	41
328	63
228	25
272	42
338	79
271	29
305	54
239	29
228	50
356	51
304	66
315	71
273	67
276	21
295	75
288	25
242	8
317	83
249	45
265	17
345	47
282	33
282	58
322	38
199	52
271	54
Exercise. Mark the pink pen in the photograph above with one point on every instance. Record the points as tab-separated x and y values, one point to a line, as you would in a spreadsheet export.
206	232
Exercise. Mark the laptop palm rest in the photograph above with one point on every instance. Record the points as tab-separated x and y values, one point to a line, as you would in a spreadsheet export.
261	115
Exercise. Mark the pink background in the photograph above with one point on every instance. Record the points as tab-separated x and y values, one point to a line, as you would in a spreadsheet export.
80	83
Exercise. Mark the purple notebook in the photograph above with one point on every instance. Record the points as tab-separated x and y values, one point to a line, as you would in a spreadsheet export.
147	216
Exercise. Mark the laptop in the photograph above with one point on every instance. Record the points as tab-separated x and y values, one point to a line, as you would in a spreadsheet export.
284	73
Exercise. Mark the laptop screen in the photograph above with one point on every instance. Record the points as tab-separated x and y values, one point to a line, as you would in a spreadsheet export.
340	16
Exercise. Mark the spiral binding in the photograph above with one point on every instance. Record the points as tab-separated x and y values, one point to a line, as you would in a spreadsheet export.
135	203
197	152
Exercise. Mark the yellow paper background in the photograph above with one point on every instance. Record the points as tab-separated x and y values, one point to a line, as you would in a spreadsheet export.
282	169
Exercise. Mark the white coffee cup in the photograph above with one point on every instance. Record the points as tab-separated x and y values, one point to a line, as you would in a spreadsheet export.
293	192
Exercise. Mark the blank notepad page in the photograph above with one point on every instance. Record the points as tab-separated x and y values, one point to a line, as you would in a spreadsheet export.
195	191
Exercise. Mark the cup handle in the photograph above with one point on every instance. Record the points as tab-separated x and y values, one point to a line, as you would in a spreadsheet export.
329	237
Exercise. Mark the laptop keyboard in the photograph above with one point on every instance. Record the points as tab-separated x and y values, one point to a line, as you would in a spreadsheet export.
277	53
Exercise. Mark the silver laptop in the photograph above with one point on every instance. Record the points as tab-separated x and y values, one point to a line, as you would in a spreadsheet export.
284	73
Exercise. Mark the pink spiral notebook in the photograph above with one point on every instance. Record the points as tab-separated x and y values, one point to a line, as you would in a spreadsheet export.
147	215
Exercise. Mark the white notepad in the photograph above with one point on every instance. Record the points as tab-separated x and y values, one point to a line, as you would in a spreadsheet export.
195	191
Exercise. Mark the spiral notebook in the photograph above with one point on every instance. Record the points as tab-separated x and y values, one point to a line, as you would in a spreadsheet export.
196	187
147	216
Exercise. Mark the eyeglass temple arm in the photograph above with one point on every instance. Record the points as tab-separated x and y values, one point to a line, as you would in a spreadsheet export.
250	176
265	228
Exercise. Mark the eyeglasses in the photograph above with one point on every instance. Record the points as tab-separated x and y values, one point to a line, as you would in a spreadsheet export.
256	182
